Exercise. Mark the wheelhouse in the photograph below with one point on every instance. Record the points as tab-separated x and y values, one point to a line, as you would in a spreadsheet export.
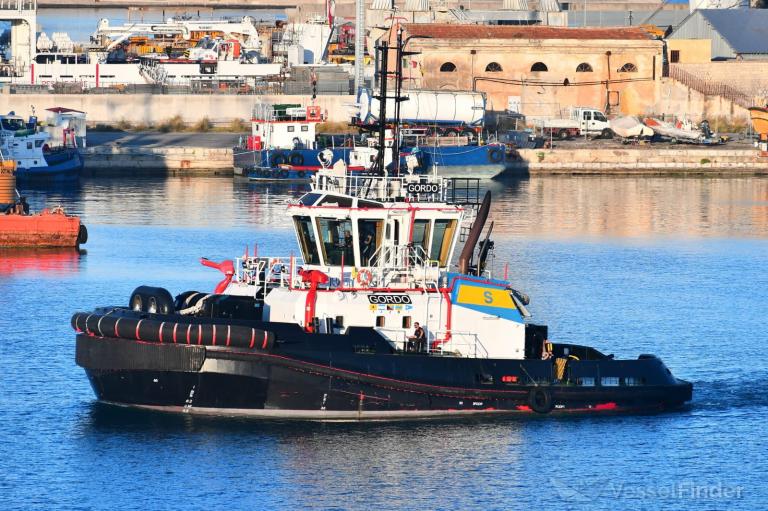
338	232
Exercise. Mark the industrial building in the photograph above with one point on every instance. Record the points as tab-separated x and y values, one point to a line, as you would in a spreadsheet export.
537	70
720	34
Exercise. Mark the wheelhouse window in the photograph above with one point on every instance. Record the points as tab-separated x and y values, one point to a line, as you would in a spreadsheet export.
421	234
13	124
442	237
336	240
336	200
307	241
309	199
369	236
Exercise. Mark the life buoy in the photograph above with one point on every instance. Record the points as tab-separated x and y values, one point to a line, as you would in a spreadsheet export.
540	400
495	155
364	277
297	159
278	159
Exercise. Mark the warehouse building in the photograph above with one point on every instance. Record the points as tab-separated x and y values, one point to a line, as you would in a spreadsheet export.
537	70
720	34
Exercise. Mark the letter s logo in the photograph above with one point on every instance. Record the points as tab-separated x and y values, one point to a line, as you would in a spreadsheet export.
488	297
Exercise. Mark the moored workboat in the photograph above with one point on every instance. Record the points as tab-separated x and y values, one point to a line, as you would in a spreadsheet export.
20	228
37	160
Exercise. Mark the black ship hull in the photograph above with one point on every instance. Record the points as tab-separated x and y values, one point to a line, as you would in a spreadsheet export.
301	380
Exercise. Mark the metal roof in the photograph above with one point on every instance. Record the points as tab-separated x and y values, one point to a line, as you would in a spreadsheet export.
745	30
446	31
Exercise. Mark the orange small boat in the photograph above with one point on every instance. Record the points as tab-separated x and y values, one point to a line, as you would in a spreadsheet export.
45	229
759	116
49	228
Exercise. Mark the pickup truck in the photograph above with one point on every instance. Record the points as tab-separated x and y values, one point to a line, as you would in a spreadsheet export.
582	121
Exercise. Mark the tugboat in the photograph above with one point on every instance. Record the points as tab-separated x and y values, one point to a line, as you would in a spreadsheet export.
371	322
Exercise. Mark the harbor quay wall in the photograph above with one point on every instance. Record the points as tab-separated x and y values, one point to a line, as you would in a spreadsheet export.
152	109
123	161
642	160
117	160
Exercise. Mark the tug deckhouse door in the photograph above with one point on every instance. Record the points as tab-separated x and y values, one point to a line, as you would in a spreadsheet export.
435	318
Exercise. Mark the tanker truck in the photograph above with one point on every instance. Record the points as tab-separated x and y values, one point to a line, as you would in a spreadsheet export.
435	112
442	129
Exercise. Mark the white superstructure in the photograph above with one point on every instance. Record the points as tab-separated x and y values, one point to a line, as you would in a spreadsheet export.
376	251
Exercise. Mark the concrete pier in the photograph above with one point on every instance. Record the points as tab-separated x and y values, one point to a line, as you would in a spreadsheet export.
119	153
656	159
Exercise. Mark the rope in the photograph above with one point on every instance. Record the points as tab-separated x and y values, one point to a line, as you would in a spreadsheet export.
198	307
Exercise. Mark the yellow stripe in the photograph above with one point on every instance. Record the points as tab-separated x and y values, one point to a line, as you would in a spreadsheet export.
486	296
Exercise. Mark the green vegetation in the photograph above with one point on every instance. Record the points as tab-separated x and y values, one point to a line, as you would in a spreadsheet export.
175	123
202	126
729	125
238	126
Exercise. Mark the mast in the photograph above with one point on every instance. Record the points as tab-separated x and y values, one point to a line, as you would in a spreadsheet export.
382	76
383	52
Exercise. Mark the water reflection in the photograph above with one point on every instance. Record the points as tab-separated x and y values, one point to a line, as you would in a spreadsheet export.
539	206
576	206
54	261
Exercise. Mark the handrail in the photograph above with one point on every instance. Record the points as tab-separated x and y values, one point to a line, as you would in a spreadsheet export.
469	340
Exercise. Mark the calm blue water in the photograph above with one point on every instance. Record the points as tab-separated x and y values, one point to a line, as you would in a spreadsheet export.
670	266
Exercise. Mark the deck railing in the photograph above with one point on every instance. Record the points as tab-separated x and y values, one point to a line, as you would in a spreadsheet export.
18	5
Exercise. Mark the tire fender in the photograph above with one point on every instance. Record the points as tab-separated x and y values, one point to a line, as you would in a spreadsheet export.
540	400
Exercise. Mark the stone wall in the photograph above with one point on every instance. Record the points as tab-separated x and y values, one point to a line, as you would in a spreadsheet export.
151	109
576	71
749	77
681	101
643	160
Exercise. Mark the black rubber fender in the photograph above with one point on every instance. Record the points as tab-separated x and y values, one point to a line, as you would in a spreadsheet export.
540	400
171	332
297	159
495	155
82	235
277	159
151	299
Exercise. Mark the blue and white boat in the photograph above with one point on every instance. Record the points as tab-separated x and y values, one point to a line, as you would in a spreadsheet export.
37	158
284	145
